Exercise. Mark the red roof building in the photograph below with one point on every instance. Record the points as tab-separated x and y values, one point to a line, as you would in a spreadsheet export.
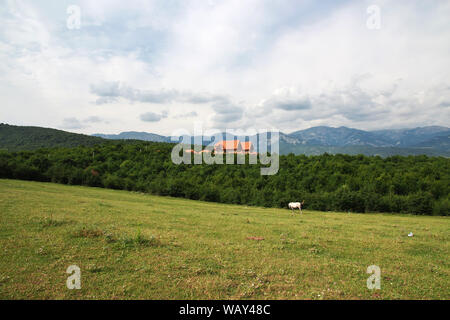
227	146
233	146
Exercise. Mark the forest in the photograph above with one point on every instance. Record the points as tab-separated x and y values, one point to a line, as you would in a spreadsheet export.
19	138
412	184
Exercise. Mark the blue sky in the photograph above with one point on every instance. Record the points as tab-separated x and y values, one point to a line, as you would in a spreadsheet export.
158	66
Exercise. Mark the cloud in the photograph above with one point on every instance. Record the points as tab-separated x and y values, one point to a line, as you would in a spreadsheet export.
93	119
75	123
348	102
288	99
200	98
191	114
290	105
72	123
109	92
226	112
153	117
106	89
289	65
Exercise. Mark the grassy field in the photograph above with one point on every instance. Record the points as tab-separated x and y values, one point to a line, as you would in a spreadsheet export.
136	246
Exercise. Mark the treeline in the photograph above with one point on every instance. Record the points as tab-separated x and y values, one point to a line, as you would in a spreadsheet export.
413	184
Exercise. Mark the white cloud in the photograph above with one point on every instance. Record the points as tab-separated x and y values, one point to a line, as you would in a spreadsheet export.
191	114
72	123
109	92
289	65
153	117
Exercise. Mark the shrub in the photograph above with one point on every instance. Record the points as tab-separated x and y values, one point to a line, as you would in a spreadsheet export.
442	207
420	203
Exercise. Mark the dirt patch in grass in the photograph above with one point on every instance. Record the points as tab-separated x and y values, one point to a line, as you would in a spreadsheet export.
92	268
89	233
255	238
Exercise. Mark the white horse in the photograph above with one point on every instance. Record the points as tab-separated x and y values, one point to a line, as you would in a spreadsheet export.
295	205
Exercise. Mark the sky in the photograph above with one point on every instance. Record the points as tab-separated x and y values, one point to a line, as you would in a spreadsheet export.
108	66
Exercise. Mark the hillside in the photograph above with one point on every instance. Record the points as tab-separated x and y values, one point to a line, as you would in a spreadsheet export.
133	135
417	137
343	136
134	246
339	137
442	142
18	138
431	141
416	185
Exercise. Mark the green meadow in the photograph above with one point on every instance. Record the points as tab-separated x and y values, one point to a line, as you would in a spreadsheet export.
131	245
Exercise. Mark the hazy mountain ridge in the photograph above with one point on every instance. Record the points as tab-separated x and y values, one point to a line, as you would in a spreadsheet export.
133	135
432	141
331	137
339	137
442	142
414	137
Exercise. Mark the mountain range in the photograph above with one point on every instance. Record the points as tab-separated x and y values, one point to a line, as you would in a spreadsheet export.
133	135
431	140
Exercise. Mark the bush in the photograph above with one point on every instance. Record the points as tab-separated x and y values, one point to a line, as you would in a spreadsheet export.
420	203
113	182
345	200
442	207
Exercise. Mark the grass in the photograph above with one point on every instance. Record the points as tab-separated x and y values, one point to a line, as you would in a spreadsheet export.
136	246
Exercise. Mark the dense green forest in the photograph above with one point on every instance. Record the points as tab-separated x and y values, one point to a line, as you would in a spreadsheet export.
18	138
365	150
413	184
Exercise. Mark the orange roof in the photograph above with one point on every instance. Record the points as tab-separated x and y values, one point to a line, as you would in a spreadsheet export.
228	144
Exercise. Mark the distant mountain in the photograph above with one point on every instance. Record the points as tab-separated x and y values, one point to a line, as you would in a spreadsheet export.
18	138
339	137
433	141
133	135
414	137
440	142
